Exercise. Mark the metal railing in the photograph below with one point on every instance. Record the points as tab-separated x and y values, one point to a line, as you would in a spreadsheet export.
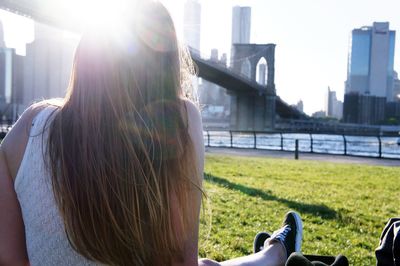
367	146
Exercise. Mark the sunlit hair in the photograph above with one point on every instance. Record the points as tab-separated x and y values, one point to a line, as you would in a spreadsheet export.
119	146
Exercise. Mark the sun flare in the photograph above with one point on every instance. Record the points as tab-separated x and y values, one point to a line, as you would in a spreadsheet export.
98	13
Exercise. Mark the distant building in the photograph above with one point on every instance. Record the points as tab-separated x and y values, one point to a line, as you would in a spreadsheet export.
214	55
192	24
2	44
241	24
261	74
211	96
223	60
241	29
333	107
363	109
319	114
214	98
47	65
371	60
300	106
396	87
192	32
370	80
11	80
392	110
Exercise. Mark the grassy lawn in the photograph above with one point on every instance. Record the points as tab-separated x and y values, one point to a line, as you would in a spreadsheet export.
344	207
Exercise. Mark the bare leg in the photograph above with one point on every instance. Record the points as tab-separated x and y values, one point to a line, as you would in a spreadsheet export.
273	255
276	248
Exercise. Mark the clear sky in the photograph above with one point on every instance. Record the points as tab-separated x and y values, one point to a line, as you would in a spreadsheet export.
312	38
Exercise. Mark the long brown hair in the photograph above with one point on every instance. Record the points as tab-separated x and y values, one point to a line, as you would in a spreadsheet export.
119	146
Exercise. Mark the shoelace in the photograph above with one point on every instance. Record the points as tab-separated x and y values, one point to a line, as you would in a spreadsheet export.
281	236
282	233
286	231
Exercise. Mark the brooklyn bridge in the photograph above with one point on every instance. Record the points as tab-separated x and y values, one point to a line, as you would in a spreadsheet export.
253	106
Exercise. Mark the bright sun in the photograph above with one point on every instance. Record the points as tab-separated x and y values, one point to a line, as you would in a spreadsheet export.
99	13
107	12
86	13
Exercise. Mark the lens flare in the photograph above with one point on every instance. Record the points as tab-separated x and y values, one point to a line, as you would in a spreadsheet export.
98	13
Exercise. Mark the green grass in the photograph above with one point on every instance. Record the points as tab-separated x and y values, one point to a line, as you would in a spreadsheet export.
344	207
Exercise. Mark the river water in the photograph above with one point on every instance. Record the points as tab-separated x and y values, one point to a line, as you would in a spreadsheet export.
385	147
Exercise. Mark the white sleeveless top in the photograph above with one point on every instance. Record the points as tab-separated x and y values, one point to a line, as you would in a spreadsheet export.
46	240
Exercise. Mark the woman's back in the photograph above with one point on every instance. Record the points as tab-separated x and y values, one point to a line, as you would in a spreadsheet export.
116	174
47	243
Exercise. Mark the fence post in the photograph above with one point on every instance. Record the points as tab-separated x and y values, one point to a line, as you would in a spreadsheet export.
311	143
296	150
230	134
255	140
380	147
208	138
281	141
344	144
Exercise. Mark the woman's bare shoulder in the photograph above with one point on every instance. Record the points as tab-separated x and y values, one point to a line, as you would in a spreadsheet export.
13	145
194	120
194	116
195	127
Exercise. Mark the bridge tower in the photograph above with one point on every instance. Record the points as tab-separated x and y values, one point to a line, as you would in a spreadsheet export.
253	110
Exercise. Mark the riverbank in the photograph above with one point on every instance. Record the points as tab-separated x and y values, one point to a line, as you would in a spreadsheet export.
304	156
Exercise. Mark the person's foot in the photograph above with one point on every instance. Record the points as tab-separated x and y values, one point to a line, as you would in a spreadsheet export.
259	239
290	234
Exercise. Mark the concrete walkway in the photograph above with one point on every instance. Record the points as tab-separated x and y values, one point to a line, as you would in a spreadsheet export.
305	156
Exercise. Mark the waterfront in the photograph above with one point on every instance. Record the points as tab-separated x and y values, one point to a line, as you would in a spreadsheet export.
368	146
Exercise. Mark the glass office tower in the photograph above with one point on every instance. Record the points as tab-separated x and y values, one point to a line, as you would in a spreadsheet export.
371	60
370	76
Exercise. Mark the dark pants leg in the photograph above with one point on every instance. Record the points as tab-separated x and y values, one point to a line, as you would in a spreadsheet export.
388	252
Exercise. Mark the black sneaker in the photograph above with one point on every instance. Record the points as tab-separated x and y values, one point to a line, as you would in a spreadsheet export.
258	243
291	233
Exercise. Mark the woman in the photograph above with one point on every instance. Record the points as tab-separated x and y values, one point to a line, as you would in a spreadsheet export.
112	174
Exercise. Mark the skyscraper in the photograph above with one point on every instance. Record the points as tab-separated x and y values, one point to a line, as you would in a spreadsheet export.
4	68
333	107
370	78
261	74
371	59
393	108
241	24
241	27
396	87
47	65
192	24
11	80
2	45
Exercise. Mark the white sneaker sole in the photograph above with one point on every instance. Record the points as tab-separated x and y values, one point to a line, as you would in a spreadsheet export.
299	234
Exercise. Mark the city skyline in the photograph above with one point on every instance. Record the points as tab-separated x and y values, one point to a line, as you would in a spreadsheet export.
312	43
